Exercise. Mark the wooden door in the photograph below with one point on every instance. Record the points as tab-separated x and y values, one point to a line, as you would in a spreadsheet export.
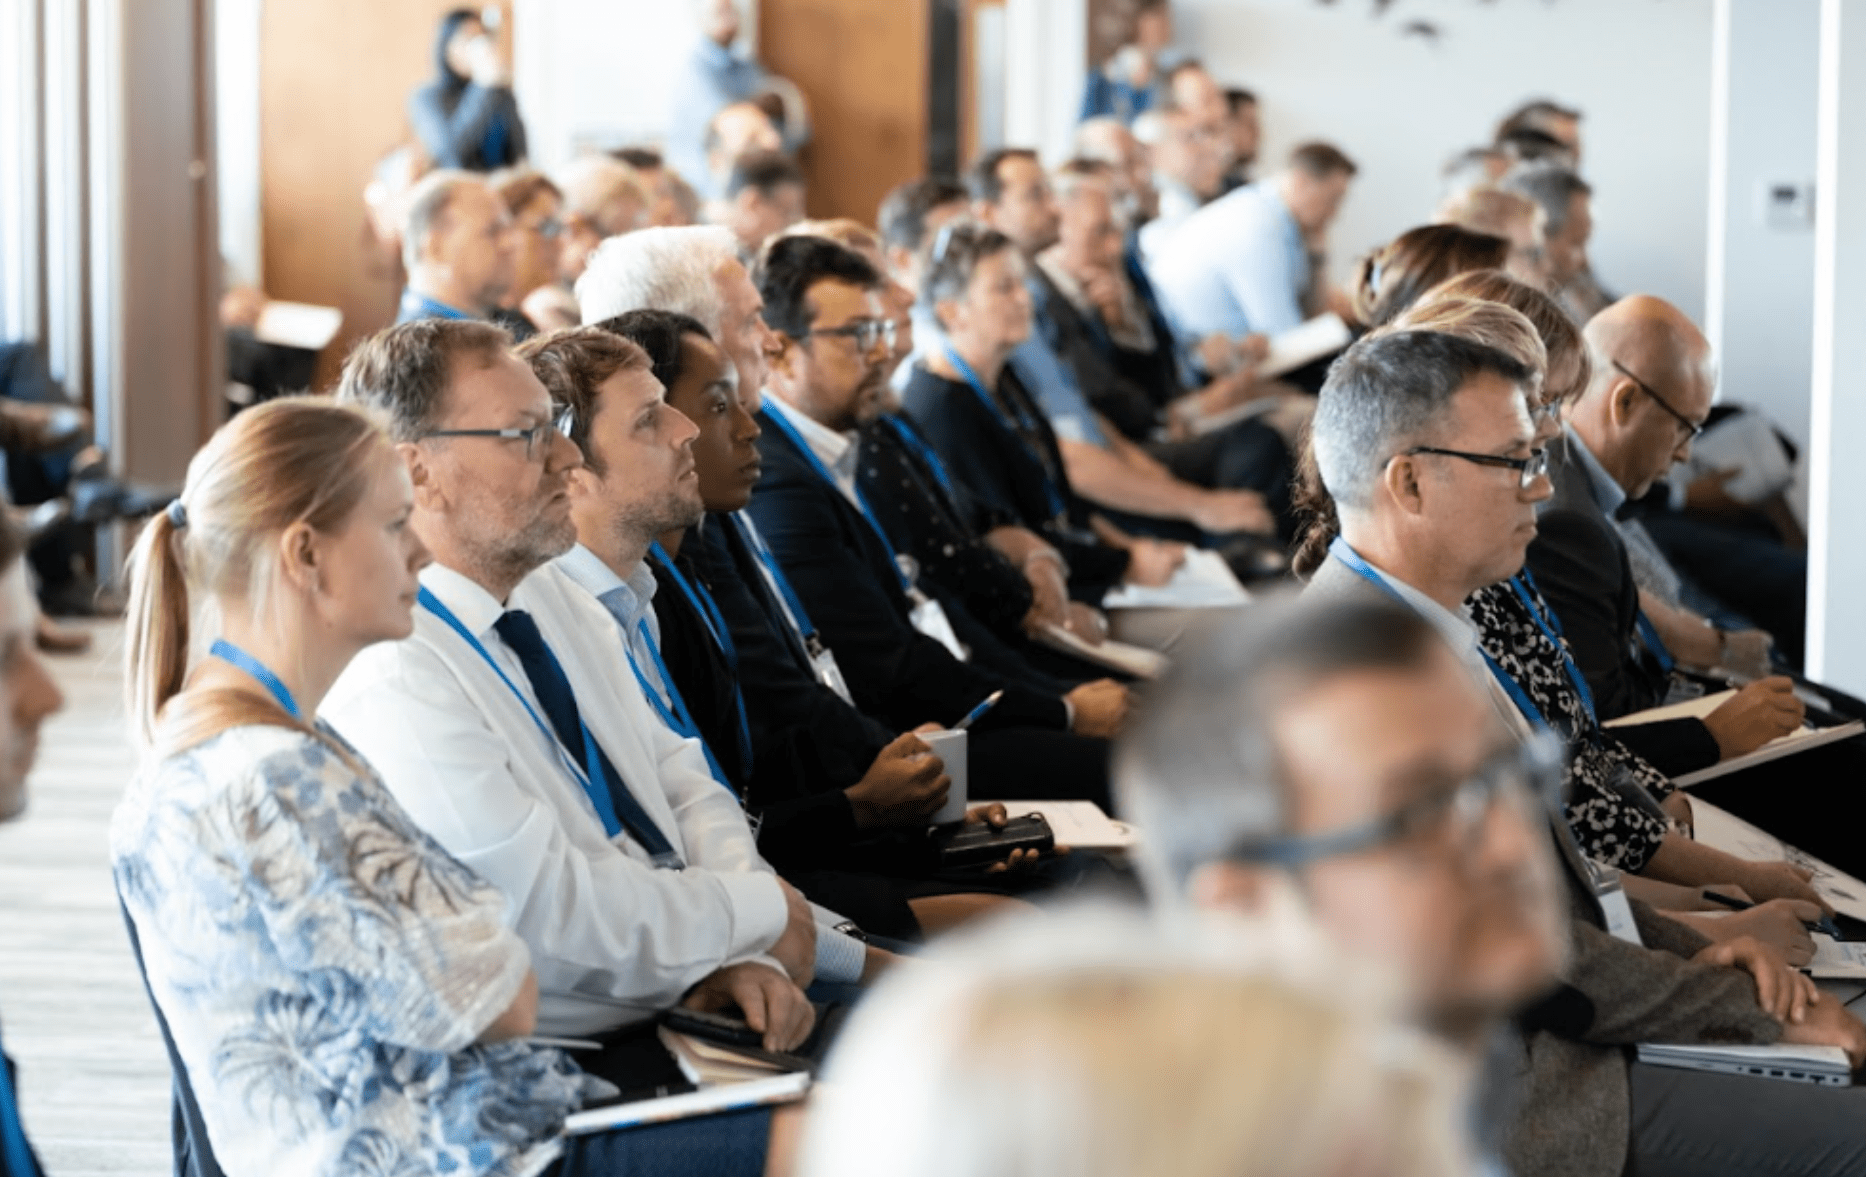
863	65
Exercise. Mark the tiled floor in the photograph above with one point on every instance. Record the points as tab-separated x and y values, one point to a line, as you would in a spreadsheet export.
93	1077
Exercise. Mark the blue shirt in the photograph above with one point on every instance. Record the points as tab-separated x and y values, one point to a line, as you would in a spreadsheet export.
325	968
1239	265
710	79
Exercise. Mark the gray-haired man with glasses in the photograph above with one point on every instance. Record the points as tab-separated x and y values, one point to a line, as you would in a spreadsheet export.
1356	769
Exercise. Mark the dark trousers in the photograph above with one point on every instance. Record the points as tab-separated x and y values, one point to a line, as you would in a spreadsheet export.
1699	1124
1246	456
1030	764
1748	572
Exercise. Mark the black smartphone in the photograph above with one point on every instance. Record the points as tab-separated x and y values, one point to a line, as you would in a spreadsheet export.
713	1027
979	845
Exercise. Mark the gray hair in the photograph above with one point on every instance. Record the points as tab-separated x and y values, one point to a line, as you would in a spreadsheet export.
1551	185
403	371
428	202
590	182
1391	390
665	269
1199	768
954	255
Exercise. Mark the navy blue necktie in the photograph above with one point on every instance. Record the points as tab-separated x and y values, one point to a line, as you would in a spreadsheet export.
551	686
16	1159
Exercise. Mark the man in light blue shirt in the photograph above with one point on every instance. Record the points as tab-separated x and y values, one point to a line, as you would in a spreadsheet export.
712	78
1242	264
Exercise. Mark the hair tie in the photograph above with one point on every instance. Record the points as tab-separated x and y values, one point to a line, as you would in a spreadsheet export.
177	514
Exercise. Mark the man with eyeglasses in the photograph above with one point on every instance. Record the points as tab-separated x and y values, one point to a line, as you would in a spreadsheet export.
1650	394
1425	442
458	247
900	642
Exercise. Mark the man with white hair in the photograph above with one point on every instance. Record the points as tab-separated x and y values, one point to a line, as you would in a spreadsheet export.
458	248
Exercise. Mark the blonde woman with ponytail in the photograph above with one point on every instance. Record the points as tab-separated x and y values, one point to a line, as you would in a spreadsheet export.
344	996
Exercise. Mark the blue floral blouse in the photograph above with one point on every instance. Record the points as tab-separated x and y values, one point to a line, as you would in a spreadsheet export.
324	967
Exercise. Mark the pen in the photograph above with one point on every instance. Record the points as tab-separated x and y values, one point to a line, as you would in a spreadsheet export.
991	701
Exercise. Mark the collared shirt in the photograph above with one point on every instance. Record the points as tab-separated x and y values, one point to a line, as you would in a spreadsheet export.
1176	203
630	602
1608	494
613	939
837	451
1050	381
1134	333
415	305
1239	265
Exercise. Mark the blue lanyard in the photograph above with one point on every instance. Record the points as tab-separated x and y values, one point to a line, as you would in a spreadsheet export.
226	651
1340	550
1649	634
672	707
594	784
910	437
420	306
14	1152
1550	625
787	596
703	604
1028	426
776	417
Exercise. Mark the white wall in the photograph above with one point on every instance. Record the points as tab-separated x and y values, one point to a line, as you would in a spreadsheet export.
236	137
1760	313
1400	106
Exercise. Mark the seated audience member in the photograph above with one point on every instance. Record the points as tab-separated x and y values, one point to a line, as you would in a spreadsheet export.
740	129
1132	80
501	726
1613	796
1246	135
1096	1045
1245	264
909	217
1012	195
467	117
763	195
1508	215
637	494
458	247
1469	170
265	867
1568	223
1098	315
712	78
675	201
1189	158
1402	421
1005	575
804	724
536	207
1546	117
1393	277
896	645
603	198
1190	88
28	697
1109	142
1529	146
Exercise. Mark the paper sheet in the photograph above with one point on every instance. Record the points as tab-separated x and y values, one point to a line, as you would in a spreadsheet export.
298	324
1204	581
1079	824
1137	661
1722	830
1805	739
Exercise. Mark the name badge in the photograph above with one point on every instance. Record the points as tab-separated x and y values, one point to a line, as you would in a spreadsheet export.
823	664
1615	905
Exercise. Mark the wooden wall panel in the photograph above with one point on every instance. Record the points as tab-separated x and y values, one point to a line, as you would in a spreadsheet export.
863	66
335	76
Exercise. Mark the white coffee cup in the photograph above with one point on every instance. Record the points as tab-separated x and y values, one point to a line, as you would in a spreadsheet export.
950	748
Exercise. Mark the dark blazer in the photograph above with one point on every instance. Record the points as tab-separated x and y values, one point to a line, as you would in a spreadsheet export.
1129	388
1573	1117
1580	565
848	582
1008	471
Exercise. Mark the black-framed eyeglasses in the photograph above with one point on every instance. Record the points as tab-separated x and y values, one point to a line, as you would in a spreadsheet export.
865	333
1529	771
1527	469
562	420
1691	427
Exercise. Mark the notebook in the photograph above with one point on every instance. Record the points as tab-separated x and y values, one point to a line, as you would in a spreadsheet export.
1204	581
1788	745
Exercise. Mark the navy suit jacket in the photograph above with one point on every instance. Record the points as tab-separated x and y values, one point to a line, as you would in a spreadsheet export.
849	584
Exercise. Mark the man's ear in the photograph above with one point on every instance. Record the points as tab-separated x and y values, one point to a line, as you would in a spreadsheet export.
1620	402
1401	480
1231	887
423	475
782	357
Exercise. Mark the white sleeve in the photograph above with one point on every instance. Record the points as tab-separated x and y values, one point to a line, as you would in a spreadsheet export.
600	923
713	827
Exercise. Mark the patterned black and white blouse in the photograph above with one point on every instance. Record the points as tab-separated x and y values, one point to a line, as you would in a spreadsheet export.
1611	793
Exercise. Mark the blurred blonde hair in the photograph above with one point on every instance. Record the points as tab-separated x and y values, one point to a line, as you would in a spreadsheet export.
299	459
1479	320
1569	369
1104	1048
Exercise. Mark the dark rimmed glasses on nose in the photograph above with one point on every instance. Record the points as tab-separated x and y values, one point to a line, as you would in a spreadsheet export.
562	420
1527	469
865	333
1692	428
1532	770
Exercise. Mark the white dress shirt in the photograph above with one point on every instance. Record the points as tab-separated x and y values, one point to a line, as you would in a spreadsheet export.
613	938
839	956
